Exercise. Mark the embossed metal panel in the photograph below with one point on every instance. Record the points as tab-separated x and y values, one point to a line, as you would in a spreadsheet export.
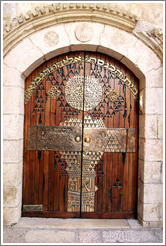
54	138
80	138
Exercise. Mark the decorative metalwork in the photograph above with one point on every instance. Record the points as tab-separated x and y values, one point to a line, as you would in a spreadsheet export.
112	95
46	72
74	92
53	92
63	139
32	208
113	70
72	60
40	99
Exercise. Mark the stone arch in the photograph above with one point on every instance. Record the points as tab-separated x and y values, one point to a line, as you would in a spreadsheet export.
33	49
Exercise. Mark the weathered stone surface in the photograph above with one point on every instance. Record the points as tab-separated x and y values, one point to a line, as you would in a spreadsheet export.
153	193
11	215
51	38
11	235
142	126
154	101
71	27
141	148
12	195
153	150
158	232
9	73
39	39
150	212
117	40
89	237
49	236
140	190
146	61
13	100
12	150
28	53
154	78
152	172
160	126
84	32
151	126
134	223
12	174
72	224
128	236
13	126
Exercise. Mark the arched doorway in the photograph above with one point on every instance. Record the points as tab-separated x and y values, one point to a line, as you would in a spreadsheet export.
80	138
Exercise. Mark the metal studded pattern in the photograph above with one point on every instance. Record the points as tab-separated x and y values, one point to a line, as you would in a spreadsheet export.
74	92
53	92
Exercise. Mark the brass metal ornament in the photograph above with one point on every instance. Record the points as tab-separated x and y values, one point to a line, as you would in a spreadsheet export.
71	60
66	139
53	92
112	95
74	92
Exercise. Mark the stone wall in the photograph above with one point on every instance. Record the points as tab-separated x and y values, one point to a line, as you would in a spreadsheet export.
132	42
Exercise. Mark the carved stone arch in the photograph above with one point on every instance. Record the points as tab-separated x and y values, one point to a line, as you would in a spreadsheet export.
25	51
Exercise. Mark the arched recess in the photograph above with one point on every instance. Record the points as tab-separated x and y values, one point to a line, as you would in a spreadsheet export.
33	51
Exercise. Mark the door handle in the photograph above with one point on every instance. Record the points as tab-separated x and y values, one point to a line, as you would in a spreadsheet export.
77	139
87	140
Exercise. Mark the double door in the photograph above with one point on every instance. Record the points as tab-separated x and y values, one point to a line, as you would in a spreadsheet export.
80	138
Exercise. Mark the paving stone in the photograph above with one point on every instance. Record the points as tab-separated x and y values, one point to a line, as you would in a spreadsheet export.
49	236
159	234
90	237
128	236
134	223
14	235
44	223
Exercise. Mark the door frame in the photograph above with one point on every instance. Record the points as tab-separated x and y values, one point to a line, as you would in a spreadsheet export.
134	63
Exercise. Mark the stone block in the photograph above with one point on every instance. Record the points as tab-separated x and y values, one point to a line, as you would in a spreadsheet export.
13	126
117	40
151	126
89	237
154	78
109	52
12	195
142	126
131	236
13	100
160	126
152	172
82	33
11	215
160	211
24	55
141	170
50	236
153	150
12	174
140	190
147	61
51	39
153	193
12	151
134	223
141	148
8	74
150	212
154	101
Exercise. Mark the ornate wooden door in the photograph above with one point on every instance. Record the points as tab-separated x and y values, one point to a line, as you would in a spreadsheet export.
80	138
